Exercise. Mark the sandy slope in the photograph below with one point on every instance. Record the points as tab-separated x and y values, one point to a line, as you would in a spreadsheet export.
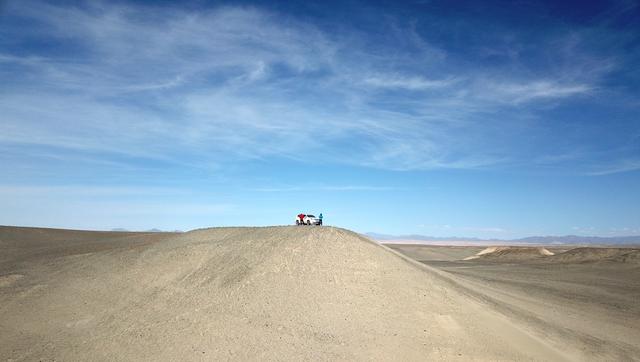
277	293
584	299
435	252
511	253
592	308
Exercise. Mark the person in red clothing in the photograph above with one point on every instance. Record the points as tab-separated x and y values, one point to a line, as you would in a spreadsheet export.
301	217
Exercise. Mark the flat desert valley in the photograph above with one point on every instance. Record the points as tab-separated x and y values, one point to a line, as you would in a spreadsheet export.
309	293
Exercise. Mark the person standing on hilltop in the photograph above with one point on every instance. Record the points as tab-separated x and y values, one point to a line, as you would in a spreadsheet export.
320	217
301	217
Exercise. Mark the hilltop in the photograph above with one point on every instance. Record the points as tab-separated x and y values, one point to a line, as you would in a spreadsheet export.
274	293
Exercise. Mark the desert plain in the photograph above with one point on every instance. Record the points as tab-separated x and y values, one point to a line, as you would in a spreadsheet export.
308	293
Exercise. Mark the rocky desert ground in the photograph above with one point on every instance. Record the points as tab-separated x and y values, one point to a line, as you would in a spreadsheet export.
586	297
302	293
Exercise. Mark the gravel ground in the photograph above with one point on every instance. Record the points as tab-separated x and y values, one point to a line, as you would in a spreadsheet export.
584	299
273	293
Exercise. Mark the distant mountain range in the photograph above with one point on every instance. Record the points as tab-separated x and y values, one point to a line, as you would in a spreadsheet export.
567	239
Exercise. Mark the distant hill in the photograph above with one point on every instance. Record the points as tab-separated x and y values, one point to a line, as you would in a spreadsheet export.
546	240
119	229
383	237
575	239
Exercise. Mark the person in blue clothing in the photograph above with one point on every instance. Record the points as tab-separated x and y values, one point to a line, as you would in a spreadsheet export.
320	217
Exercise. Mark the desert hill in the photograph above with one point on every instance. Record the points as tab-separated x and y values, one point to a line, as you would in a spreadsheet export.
588	254
510	253
274	293
630	256
531	240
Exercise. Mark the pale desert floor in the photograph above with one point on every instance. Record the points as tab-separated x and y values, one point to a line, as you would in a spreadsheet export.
283	293
585	297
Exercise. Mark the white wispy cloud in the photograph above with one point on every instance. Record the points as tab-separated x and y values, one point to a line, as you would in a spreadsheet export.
616	167
623	231
83	191
411	83
588	230
237	83
324	188
539	89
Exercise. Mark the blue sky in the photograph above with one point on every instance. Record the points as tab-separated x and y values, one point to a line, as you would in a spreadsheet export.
489	119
